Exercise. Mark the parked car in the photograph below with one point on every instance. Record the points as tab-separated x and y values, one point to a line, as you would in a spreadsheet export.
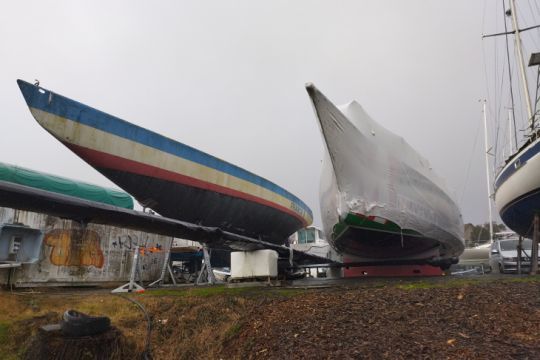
503	256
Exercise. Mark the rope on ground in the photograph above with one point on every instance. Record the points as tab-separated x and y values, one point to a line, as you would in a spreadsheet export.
147	353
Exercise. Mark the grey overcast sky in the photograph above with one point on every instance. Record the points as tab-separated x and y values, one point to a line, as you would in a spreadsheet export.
228	77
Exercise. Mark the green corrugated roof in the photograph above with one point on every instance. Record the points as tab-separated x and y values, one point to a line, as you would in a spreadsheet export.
60	185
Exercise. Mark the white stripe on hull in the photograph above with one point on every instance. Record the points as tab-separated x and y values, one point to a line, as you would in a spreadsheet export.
94	139
523	180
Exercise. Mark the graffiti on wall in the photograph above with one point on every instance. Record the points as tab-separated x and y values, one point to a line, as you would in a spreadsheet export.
129	242
126	242
75	247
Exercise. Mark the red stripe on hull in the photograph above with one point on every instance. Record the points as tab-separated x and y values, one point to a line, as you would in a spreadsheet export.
104	160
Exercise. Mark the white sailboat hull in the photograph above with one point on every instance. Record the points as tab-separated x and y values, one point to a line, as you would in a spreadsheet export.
517	189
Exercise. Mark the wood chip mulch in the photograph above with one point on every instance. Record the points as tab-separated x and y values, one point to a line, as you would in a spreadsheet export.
495	320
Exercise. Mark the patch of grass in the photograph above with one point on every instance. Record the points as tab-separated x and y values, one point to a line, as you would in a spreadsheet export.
289	293
446	283
528	279
232	332
473	281
417	285
4	349
465	281
4	327
205	291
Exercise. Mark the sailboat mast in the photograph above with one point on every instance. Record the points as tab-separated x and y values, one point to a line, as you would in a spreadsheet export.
487	172
521	63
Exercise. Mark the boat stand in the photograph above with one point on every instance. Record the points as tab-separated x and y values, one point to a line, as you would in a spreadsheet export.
132	286
166	268
206	271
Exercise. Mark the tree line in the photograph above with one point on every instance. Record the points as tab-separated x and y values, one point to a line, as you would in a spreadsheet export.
478	234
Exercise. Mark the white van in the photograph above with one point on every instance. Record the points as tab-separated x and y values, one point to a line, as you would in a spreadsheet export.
503	256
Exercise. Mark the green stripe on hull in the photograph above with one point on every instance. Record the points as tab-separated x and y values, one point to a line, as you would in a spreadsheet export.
359	221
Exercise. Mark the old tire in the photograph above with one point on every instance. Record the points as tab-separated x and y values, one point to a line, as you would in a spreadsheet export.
77	324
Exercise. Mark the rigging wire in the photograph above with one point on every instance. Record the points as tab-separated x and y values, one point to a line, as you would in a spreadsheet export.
521	100
510	76
492	89
532	40
488	89
486	77
498	99
484	63
501	92
505	95
473	151
495	67
519	121
495	145
528	33
536	95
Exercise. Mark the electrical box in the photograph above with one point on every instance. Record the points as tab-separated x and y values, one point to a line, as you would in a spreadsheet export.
254	264
14	244
19	243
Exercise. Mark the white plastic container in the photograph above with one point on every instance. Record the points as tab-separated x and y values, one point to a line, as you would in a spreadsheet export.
254	264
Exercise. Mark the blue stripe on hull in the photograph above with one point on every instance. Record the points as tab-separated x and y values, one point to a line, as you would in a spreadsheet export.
519	160
519	214
73	110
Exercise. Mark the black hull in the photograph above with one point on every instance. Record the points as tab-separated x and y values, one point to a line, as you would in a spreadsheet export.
208	208
367	243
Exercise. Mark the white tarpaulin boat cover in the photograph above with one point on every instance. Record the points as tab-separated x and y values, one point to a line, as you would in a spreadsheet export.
376	173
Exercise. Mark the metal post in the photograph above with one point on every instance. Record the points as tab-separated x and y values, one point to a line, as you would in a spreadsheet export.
534	247
171	273
134	266
487	172
165	266
519	250
132	285
291	257
210	273
207	267
201	273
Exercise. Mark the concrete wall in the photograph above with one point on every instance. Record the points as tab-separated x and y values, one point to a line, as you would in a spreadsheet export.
70	255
